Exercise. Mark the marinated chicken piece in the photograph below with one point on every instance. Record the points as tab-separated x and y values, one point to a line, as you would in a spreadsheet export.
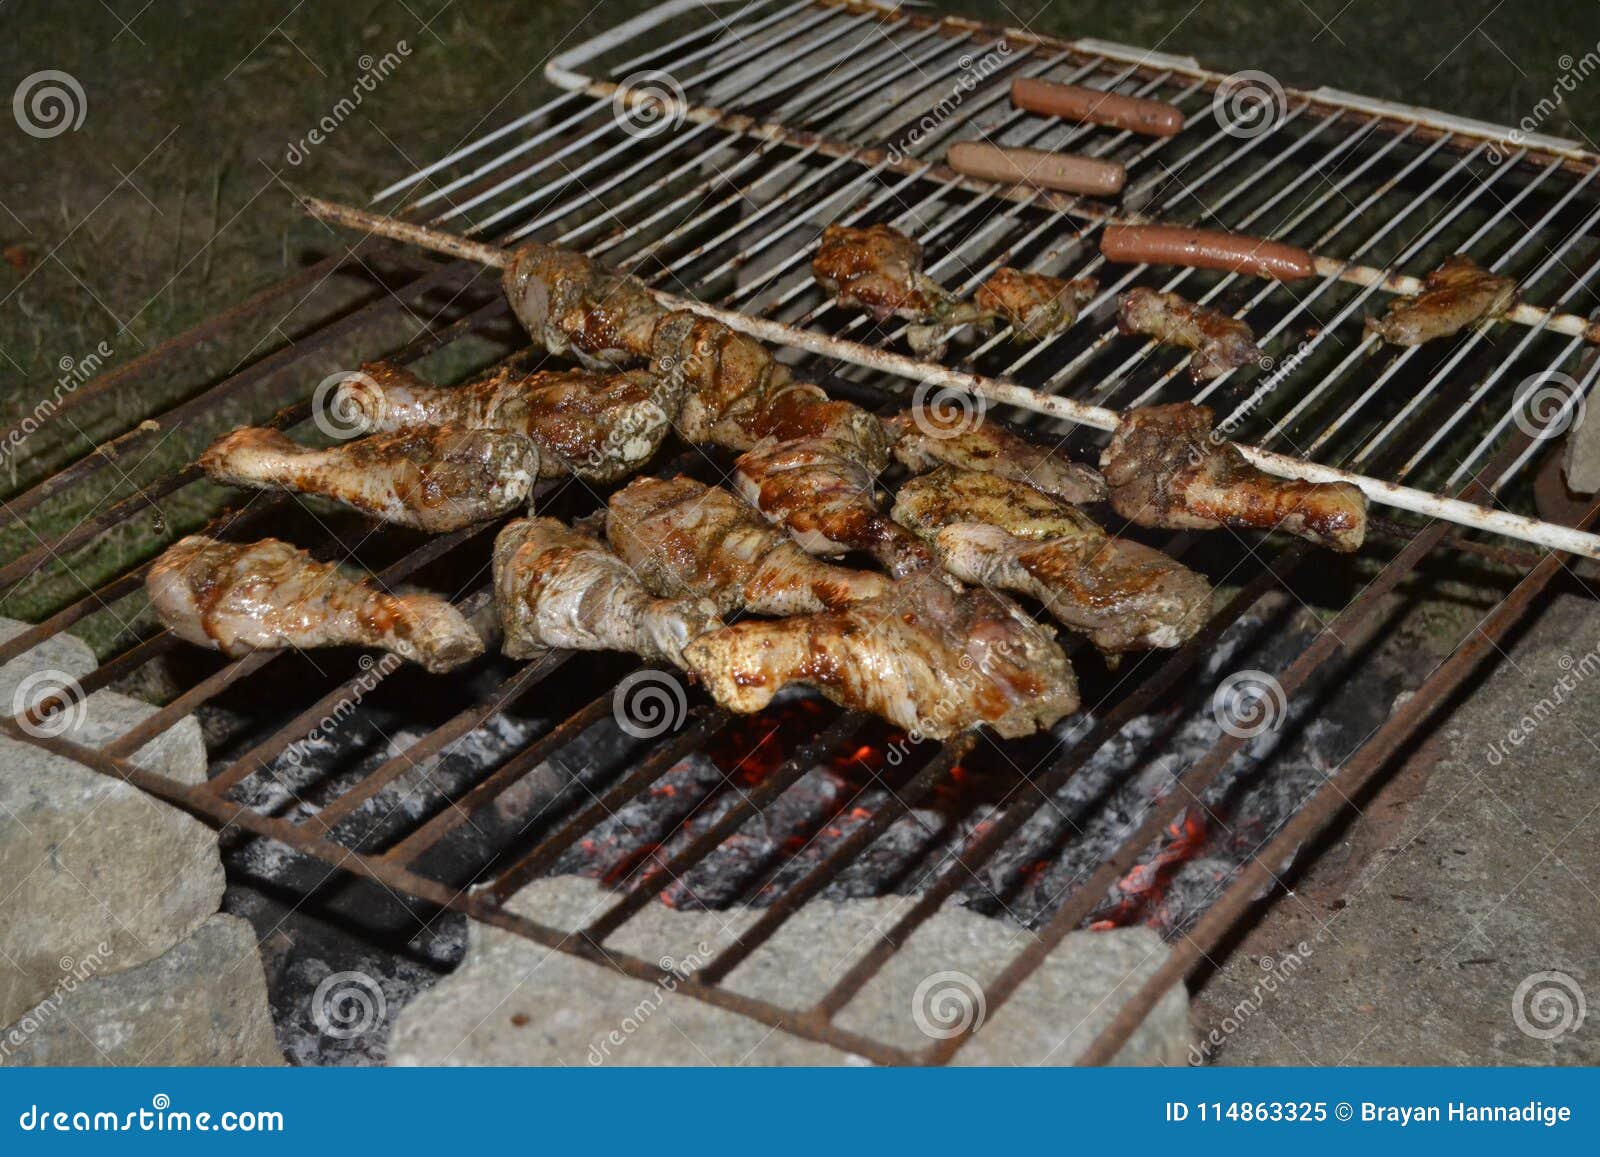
682	537
1167	468
924	656
559	587
1454	296
598	427
573	304
264	596
432	478
995	532
823	492
922	442
878	269
1035	305
1220	343
801	410
722	374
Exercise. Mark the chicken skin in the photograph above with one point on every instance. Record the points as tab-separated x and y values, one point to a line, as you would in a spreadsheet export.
682	537
1220	343
268	595
1457	294
1000	533
1166	467
431	478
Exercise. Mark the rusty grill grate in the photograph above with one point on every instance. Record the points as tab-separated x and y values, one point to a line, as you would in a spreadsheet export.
782	117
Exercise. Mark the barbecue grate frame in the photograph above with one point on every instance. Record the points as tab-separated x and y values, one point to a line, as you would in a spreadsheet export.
550	134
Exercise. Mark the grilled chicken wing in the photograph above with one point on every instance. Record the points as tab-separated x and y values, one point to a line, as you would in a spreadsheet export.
267	595
682	537
1220	343
927	658
1035	305
559	587
1454	296
573	304
598	427
433	478
878	269
1000	533
1167	468
922	442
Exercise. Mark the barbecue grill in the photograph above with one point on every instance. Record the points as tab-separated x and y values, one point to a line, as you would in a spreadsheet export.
701	147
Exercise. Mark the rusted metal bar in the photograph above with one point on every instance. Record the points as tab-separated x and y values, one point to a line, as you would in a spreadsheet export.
1256	877
804	759
839	857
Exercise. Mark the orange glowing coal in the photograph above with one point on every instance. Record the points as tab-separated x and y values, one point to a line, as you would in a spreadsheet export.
1144	886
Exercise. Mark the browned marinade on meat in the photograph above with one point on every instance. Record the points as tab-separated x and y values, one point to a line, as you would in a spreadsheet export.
1035	305
1220	343
1168	468
999	533
1457	294
267	595
923	440
432	478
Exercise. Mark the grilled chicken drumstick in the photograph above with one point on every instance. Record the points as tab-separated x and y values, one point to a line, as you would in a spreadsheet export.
1000	533
1220	343
1167	468
600	428
922	443
432	478
559	587
573	304
1454	296
268	595
927	658
683	538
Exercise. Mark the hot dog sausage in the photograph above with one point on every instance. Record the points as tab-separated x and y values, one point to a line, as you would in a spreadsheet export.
1074	102
1205	249
1038	168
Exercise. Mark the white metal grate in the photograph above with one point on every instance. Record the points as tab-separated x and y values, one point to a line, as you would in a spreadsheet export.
782	117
